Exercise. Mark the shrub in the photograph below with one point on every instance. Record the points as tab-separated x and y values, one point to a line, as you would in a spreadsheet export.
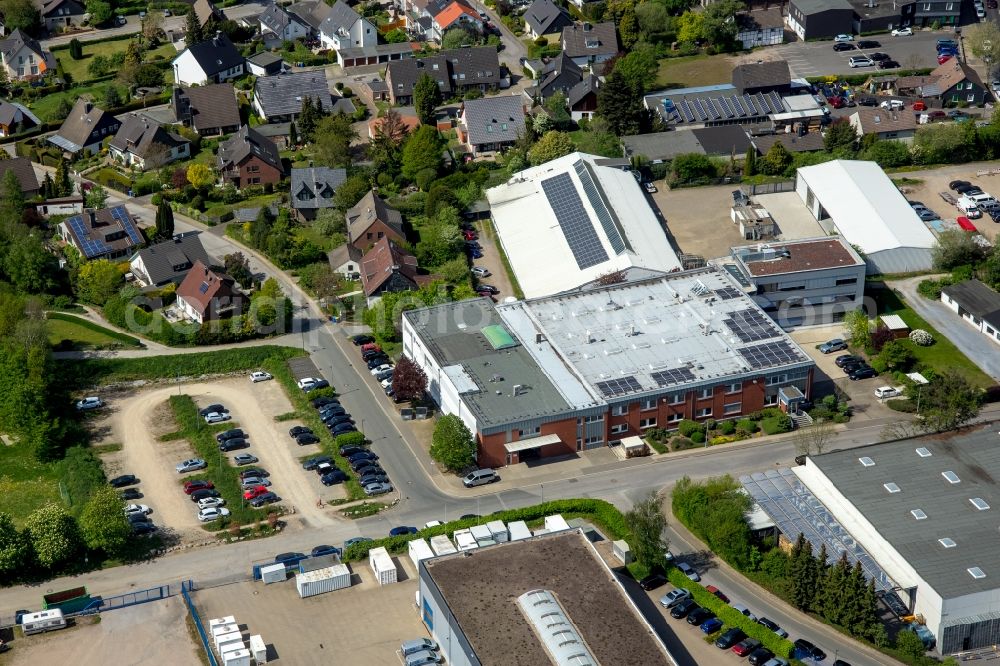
746	425
680	444
687	426
775	425
921	338
901	405
930	289
724	440
727	427
698	437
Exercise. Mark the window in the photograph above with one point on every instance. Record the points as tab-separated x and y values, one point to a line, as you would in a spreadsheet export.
976	573
705	394
619	429
891	487
619	410
971	97
979	503
777	379
676	399
674	418
866	461
951	477
380	234
924	452
253	168
703	412
647	423
648	403
734	388
732	408
947	542
919	514
770	400
369	235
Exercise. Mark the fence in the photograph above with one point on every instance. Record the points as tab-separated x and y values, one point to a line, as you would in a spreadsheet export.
140	597
185	587
770	188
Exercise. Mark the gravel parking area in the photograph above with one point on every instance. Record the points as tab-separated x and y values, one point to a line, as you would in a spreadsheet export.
935	182
698	219
828	375
362	625
142	634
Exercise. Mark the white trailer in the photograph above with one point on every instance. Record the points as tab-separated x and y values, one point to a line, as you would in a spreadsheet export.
46	620
382	566
419	550
499	531
519	530
464	540
442	545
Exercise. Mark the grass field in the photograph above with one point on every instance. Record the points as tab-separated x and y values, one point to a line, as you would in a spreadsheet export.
43	106
78	68
25	483
942	354
698	70
84	334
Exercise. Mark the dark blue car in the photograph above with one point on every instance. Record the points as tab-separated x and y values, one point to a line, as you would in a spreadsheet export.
711	626
402	530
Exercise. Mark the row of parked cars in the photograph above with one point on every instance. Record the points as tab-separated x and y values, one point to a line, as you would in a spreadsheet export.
378	362
854	366
137	514
974	202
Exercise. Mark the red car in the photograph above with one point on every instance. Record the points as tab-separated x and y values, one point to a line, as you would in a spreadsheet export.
470	235
371	346
745	647
943	58
191	486
254	492
919	106
717	592
836	102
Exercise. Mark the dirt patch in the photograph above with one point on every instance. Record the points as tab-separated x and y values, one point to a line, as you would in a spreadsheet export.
698	219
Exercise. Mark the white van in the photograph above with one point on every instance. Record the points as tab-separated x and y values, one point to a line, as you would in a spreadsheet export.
47	620
968	207
480	477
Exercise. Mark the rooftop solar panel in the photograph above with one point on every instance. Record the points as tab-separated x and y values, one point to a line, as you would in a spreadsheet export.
727	107
764	103
574	221
688	111
597	202
727	293
770	354
750	105
613	387
750	325
702	113
739	105
673	376
776	102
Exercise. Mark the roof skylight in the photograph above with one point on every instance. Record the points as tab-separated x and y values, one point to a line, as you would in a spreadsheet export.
891	487
866	461
924	452
919	514
951	477
976	572
947	542
979	503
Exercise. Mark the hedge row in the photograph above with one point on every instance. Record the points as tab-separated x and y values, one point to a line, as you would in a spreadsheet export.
732	617
603	514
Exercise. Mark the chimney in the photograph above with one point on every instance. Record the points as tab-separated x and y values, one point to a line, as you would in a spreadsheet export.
87	107
587	27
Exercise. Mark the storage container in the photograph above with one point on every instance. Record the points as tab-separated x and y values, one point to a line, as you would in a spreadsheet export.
213	623
518	530
221	639
419	550
482	535
556	523
220	629
442	545
273	573
622	551
319	581
382	566
258	650
498	530
236	658
464	540
230	645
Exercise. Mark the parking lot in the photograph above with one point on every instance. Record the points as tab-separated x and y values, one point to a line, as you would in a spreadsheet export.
934	182
139	421
362	625
817	58
698	219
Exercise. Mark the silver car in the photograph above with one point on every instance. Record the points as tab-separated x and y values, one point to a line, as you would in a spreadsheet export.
254	481
423	657
190	465
378	489
417	645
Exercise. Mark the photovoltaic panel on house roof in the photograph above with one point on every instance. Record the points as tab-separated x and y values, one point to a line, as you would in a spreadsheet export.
770	354
613	387
739	105
750	105
574	221
672	376
597	203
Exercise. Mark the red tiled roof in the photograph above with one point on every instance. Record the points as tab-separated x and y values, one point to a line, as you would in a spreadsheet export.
384	259
202	285
452	13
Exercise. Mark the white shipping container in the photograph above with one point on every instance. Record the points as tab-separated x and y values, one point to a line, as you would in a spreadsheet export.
519	530
258	650
382	566
481	533
212	624
556	523
442	545
227	638
323	580
498	530
419	550
231	645
221	629
236	658
464	540
273	573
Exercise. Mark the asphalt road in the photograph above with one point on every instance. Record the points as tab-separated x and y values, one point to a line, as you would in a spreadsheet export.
807	59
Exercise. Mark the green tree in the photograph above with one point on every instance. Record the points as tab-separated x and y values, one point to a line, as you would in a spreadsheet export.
896	356
840	136
409	381
421	151
955	248
164	221
640	65
386	146
200	176
441	241
332	140
750	161
647	522
989	270
55	536
452	445
237	267
776	161
100	11
103	523
690	27
308	118
112	98
76	49
619	103
831	592
426	98
551	146
192	33
947	402
15	549
943	143
654	19
350	192
20	14
983	40
692	168
803	572
456	38
397	36
29	265
293	135
63	181
98	280
541	123
909	644
719	26
260	228
11	197
558	111
97	197
889	154
859	328
628	28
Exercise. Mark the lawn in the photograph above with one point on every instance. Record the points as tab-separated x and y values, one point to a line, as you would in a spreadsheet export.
84	334
25	483
44	106
77	69
942	354
697	70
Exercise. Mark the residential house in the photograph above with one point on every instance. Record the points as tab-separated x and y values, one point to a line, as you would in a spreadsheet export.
870	16
582	98
142	143
205	295
491	124
346	260
590	44
338	26
207	13
58	14
929	12
209	110
26	178
108	233
456	72
899	125
214	60
23	57
265	63
279	133
762	77
409	121
16	118
558	75
313	189
274	20
371	220
976	304
813	19
955	83
279	98
718	141
249	158
168	262
85	128
545	17
387	267
457	14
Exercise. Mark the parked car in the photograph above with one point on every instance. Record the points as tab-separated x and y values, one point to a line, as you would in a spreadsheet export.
306	439
373	476
306	382
674	597
260	376
289	559
253	492
334	477
254	481
320	551
688	571
760	656
342	428
843	38
130	494
377	489
650	188
402	530
764	622
213	408
217	417
362	455
209	502
134	518
423	658
244	459
372	353
315	387
233	444
653	581
191	486
123	480
805	649
717	592
488	287
353	540
843	46
323	401
295	431
745	611
212	513
338	420
847	359
481	272
88	403
868	44
266	498
359	340
326	410
137	508
902	32
955	184
199	495
699	616
683	609
884	392
417	645
363	467
830	346
729	638
745	647
254	471
711	626
232	433
878	56
864	372
927	215
861	61
143	528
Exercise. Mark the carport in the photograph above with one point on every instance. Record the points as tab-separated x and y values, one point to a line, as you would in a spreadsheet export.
528	449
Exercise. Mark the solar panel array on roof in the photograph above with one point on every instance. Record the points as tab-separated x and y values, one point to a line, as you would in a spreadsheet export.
574	221
722	108
120	214
91	247
728	293
597	202
750	325
770	354
672	376
613	387
795	510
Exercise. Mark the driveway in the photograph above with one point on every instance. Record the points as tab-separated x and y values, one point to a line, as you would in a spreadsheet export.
971	342
807	59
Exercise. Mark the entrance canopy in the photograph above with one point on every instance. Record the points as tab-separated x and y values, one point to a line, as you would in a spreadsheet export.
531	443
